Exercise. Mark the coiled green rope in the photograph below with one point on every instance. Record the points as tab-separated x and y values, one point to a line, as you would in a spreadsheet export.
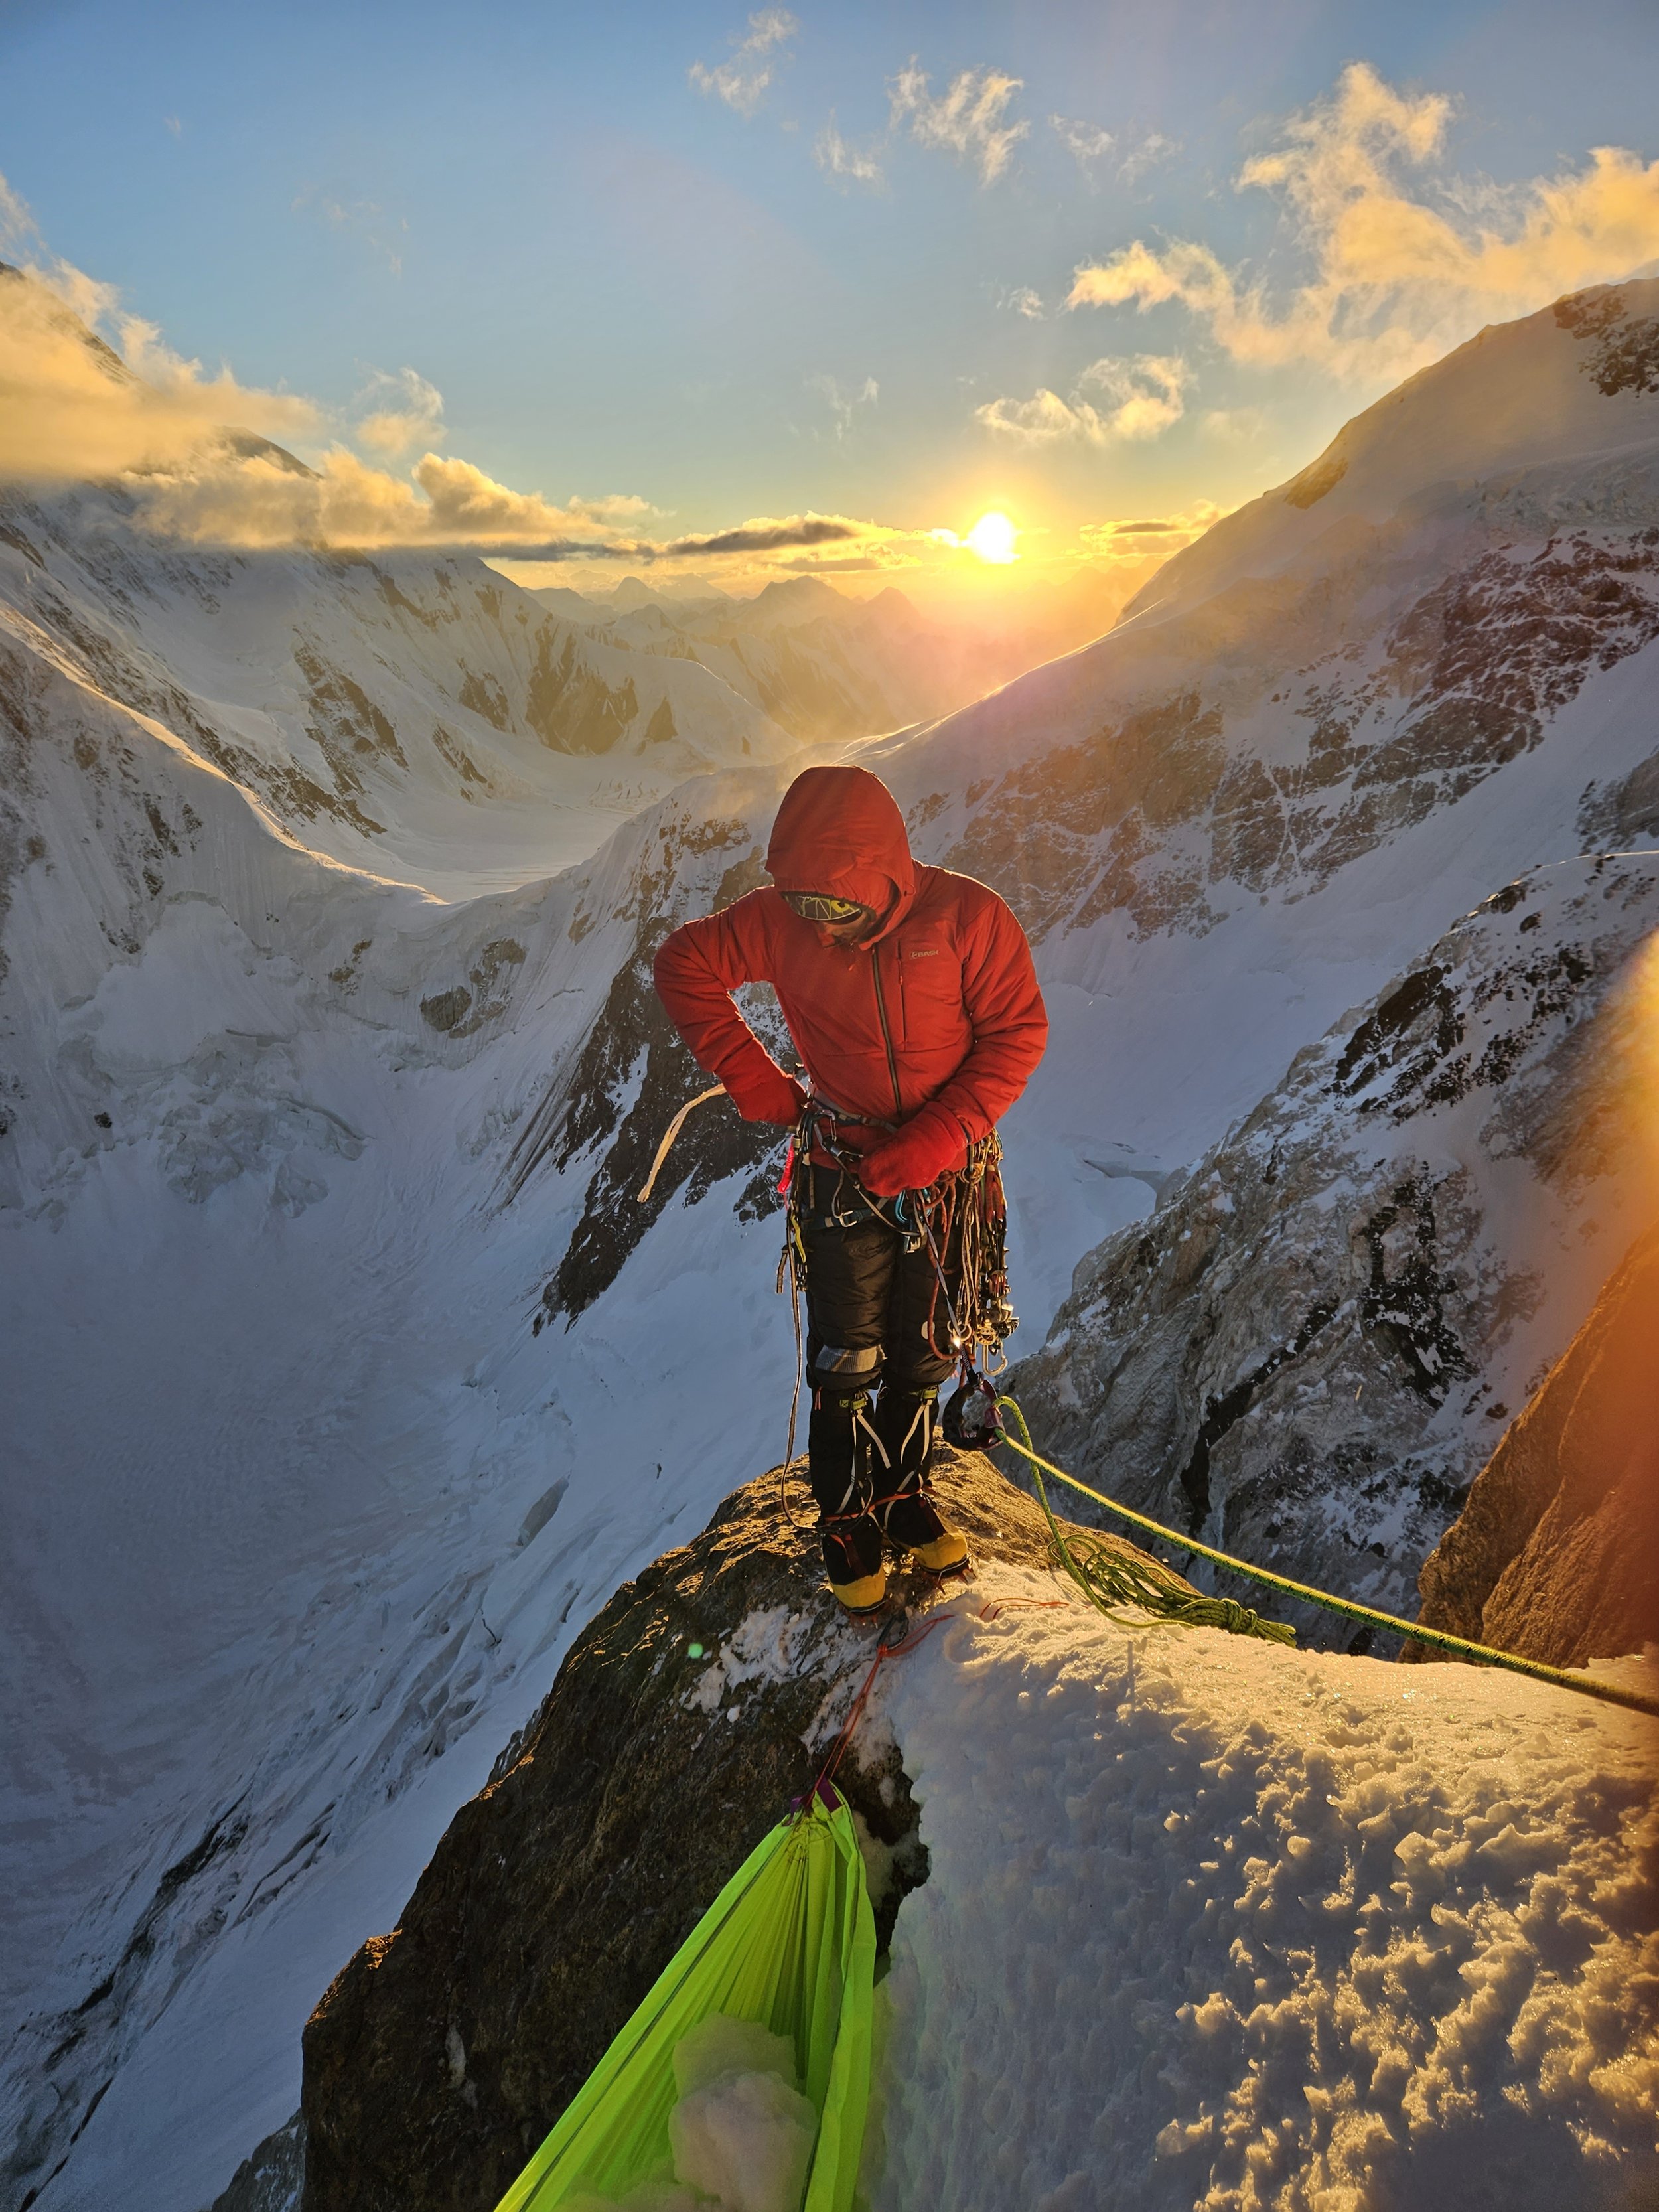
1438	1639
1107	1578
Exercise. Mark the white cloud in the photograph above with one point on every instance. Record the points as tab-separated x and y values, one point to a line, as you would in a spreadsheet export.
1112	400
1022	301
742	82
1145	153
842	400
200	455
1395	280
1089	146
967	119
410	413
838	157
17	225
1085	141
261	500
1235	426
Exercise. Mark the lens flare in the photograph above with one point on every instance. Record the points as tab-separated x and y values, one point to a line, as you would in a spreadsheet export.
993	538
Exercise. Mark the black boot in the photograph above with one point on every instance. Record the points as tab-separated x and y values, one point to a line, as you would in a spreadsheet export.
903	1501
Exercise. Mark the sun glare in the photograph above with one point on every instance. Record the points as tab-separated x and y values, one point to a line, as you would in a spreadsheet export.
993	537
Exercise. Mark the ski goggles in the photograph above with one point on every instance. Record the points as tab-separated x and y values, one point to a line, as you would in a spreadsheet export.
821	906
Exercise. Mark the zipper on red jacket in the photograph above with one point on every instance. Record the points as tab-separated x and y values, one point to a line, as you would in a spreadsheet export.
886	1034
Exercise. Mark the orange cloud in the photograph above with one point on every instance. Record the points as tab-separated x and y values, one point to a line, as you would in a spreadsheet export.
1136	398
71	407
1396	282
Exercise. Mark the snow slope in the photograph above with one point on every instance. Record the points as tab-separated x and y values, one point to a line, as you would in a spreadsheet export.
422	718
1211	1925
296	1499
1547	420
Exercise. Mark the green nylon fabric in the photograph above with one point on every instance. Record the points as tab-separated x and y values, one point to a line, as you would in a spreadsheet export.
790	1942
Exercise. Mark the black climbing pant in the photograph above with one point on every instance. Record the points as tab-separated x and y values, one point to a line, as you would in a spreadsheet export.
871	1309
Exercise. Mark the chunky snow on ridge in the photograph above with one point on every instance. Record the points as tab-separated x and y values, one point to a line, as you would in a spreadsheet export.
1210	1924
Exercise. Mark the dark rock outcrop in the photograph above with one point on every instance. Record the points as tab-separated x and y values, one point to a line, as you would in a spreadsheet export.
271	2178
1556	1555
686	1717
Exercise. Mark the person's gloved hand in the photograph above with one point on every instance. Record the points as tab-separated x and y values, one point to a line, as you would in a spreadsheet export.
769	1096
914	1155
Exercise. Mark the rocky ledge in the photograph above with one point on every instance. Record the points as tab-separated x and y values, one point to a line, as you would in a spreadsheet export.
684	1720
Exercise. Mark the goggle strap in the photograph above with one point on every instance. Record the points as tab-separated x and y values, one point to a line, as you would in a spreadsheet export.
814	905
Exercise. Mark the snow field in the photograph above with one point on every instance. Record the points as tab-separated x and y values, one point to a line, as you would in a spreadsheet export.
1214	1924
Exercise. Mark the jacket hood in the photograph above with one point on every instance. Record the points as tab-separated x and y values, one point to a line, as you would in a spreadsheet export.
839	831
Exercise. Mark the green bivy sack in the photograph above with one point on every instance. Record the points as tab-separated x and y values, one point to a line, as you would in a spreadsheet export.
790	1945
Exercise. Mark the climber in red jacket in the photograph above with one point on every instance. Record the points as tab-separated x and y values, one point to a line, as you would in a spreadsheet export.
911	998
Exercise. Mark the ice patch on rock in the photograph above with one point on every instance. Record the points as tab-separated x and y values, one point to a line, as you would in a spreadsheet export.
765	1647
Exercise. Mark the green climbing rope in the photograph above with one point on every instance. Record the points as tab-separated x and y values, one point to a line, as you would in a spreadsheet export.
1109	1577
1440	1639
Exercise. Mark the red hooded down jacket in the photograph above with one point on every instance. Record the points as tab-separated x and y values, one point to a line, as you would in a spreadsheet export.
938	1008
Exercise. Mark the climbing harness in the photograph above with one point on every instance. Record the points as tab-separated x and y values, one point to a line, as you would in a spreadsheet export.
1095	1582
962	1217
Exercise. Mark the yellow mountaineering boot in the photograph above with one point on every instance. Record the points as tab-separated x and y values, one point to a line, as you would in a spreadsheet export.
947	1554
865	1596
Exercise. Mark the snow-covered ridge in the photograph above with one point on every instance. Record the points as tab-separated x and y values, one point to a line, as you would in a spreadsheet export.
1176	1918
1569	393
1212	1923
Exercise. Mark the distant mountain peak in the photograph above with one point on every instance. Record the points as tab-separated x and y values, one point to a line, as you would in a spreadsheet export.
1575	383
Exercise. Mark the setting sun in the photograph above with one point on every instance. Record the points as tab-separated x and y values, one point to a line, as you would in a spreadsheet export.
993	537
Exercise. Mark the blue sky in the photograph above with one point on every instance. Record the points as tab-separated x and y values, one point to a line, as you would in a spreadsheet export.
626	277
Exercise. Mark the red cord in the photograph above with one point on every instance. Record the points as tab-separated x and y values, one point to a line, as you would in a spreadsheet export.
826	1774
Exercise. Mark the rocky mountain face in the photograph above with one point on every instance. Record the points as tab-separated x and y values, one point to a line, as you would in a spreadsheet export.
272	2179
1304	1354
1554	1553
689	1713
